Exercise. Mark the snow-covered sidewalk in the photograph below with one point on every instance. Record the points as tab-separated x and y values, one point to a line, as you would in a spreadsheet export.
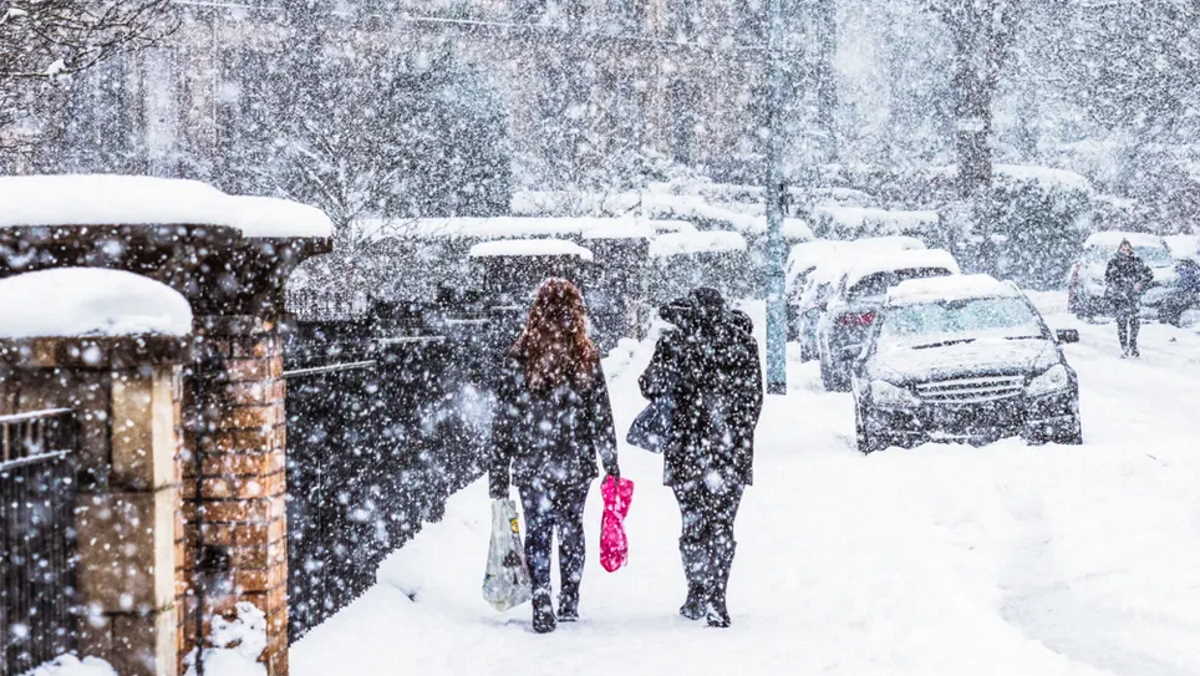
944	559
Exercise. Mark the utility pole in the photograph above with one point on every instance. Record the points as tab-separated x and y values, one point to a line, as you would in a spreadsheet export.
776	256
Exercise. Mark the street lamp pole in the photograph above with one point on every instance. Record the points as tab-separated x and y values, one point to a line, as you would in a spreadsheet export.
776	255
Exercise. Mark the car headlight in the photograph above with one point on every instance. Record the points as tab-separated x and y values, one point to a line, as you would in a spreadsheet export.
1051	380
886	394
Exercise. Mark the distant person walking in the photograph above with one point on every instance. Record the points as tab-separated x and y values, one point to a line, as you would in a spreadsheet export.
708	366
1127	278
553	418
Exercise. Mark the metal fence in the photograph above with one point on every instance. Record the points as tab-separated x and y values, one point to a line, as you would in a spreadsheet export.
37	503
382	426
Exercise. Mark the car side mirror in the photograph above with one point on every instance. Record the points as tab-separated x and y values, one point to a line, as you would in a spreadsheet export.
1067	336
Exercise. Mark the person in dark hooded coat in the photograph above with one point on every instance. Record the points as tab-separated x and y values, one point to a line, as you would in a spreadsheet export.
1127	278
553	419
709	366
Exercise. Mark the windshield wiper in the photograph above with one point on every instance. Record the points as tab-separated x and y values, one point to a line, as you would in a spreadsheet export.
944	342
1024	337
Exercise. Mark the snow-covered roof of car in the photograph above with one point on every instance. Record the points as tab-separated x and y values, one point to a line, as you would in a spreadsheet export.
110	199
1112	239
90	302
807	254
900	260
822	252
529	247
704	241
950	287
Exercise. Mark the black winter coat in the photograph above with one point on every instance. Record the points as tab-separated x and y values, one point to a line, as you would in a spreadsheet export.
551	436
710	368
1122	277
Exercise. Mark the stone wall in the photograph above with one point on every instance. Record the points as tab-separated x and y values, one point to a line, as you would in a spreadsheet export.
127	396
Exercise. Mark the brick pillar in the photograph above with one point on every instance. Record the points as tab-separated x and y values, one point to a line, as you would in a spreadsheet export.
126	394
235	483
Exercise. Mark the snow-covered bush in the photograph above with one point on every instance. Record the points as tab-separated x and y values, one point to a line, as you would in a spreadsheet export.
1029	228
1044	215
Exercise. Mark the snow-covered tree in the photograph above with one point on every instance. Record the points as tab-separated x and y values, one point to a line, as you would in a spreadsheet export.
983	33
44	42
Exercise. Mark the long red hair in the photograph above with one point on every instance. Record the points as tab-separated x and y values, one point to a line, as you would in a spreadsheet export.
554	346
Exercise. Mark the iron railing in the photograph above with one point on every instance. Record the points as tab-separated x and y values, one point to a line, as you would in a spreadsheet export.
37	549
378	439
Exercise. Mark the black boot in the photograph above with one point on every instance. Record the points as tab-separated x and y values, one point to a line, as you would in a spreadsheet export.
543	612
568	602
695	568
718	613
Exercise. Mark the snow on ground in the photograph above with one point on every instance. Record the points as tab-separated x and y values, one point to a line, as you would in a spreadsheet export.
943	559
69	665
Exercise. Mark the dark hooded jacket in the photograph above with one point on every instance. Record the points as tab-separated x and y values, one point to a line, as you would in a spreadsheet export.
552	436
1122	277
710	368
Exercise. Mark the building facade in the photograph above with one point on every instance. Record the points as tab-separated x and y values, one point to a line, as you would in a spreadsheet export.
585	81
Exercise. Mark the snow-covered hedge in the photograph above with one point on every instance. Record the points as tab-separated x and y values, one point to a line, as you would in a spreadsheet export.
841	222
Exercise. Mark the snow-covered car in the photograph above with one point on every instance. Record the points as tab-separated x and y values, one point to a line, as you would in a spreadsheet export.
963	358
847	315
812	268
1086	288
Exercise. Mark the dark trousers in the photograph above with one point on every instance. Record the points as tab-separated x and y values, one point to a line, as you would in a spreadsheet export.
549	507
707	516
1128	324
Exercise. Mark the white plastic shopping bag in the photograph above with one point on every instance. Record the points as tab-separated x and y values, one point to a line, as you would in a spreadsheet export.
506	581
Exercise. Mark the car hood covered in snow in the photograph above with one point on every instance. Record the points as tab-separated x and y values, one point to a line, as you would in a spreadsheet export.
981	355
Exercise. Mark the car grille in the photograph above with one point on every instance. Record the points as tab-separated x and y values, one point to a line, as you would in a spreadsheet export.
971	390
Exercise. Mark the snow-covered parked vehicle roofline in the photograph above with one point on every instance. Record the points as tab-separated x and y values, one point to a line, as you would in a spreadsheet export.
529	247
112	199
507	227
900	260
90	302
705	241
1113	238
952	287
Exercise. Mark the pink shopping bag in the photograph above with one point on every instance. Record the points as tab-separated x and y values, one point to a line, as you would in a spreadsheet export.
614	547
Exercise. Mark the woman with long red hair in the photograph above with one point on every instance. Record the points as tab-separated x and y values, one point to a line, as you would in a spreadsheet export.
552	421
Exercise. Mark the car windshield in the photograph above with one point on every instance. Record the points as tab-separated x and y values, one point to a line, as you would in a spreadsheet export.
1153	255
950	321
1150	255
878	283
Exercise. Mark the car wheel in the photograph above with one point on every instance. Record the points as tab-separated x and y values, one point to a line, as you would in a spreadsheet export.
1170	315
839	377
806	352
866	442
826	377
1075	436
1083	309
